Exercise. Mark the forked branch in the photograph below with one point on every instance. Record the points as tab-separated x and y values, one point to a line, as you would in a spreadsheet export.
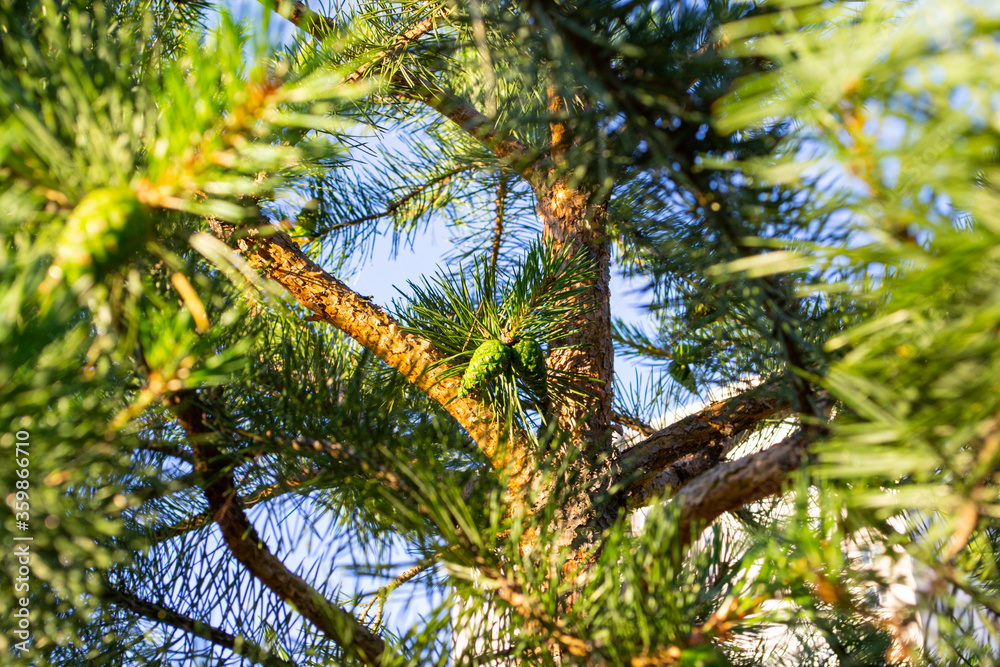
707	429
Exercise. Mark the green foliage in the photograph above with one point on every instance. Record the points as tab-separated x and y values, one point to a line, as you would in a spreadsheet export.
533	301
645	591
110	136
903	121
805	189
454	311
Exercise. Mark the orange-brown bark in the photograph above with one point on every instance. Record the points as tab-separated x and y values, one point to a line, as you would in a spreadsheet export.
278	257
574	218
503	144
404	39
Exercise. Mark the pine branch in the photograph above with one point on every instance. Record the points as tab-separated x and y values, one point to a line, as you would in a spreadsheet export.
498	228
379	597
708	428
734	484
400	43
717	628
511	592
249	548
259	495
265	492
676	475
485	57
160	488
167	449
396	204
341	452
420	89
779	305
278	257
160	614
632	423
299	14
466	116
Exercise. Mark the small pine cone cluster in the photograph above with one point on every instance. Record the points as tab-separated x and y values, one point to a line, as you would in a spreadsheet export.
494	358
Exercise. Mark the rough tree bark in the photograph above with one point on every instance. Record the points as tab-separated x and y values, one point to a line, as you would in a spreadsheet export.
574	216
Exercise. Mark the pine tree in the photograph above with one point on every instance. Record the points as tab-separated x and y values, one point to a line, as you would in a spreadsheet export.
217	446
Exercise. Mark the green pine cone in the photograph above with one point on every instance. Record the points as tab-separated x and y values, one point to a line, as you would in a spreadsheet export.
680	367
103	230
490	359
529	361
683	375
681	354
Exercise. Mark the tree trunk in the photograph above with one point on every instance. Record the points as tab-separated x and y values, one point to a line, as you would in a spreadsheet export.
574	217
572	220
